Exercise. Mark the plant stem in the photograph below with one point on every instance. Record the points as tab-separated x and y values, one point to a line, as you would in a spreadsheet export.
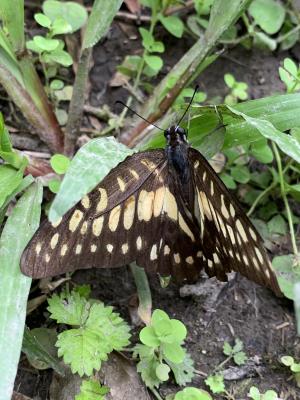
285	200
260	197
286	35
156	394
144	292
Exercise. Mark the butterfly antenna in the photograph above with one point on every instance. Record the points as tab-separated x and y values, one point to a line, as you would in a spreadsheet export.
134	112
191	101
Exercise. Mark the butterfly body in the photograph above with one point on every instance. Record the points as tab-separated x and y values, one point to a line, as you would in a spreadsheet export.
167	210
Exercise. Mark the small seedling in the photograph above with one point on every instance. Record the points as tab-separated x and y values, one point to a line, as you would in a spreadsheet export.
216	383
235	352
255	394
290	75
238	90
162	351
294	367
92	390
96	331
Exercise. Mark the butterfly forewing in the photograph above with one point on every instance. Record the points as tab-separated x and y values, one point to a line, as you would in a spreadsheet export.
230	241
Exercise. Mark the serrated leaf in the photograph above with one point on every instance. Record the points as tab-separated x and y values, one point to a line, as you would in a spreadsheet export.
71	311
147	368
240	358
227	349
215	383
88	167
184	371
173	352
238	346
92	390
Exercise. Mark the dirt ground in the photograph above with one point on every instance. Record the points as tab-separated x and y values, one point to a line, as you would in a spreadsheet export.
242	309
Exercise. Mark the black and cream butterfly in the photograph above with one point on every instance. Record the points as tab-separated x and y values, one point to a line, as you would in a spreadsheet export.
167	210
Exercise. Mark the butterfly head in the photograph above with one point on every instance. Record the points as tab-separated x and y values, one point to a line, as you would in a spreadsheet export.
175	135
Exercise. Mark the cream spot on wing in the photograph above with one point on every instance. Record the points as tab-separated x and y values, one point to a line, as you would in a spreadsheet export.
245	259
183	225
56	223
216	258
189	260
166	250
38	248
256	265
230	253
212	190
267	272
224	209
78	249
109	247
177	258
47	258
205	205
149	164
253	234
114	217
241	230
93	248
97	225
222	225
121	183
85	202
125	248
238	256
204	176
196	164
231	234
170	205
84	228
259	255
54	241
145	205
64	250
199	254
129	210
75	220
139	243
102	204
134	174
158	201
210	263
153	253
232	210
239	239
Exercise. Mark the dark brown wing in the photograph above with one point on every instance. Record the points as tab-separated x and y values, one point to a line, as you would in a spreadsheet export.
133	215
230	241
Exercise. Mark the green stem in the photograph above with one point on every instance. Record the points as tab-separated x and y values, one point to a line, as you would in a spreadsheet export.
285	200
286	35
218	367
260	197
156	394
144	292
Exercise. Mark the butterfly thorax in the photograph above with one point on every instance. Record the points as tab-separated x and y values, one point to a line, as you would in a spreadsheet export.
177	152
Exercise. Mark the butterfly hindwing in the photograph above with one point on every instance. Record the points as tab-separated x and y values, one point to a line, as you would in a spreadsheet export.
230	241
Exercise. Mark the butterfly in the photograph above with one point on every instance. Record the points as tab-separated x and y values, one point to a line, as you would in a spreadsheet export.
165	209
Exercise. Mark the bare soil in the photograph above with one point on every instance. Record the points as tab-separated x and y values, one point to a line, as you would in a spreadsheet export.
242	310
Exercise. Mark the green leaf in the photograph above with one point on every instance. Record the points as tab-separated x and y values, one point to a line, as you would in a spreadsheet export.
38	345
240	174
54	185
58	56
263	41
203	6
162	372
56	84
227	349
154	62
238	346
73	13
287	273
89	166
229	80
147	37
184	371
262	152
92	390
10	179
173	24
278	225
148	337
42	20
254	393
60	26
147	368
14	287
192	393
103	12
71	311
45	44
287	360
215	383
12	16
173	352
60	163
268	14
287	143
240	358
228	180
